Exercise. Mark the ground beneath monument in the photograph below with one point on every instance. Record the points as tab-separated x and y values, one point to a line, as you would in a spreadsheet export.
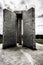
21	56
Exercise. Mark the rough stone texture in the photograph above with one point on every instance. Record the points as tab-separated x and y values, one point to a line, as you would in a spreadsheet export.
12	28
18	29
29	28
9	29
21	56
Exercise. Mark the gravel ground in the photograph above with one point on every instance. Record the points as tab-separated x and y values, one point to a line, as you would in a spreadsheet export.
21	56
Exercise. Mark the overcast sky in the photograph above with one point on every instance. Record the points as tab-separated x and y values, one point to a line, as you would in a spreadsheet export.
25	4
15	4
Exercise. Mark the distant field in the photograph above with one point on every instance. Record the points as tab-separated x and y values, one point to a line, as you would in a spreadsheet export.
39	41
1	38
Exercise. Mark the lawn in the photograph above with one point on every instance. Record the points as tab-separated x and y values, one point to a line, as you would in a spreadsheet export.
1	38
36	40
39	41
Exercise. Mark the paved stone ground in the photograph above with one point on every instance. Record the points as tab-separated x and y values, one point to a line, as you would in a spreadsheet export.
21	56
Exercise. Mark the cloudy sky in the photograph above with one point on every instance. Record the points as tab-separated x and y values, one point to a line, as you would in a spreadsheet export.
24	4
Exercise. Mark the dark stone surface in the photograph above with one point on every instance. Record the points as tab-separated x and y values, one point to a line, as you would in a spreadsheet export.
18	30
9	29
12	29
29	28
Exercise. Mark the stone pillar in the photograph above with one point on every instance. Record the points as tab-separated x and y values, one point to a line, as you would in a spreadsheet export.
9	29
29	28
19	28
19	31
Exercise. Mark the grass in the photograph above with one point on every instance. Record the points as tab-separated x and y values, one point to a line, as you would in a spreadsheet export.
39	41
1	38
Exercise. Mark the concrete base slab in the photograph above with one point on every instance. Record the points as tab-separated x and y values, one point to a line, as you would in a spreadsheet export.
21	56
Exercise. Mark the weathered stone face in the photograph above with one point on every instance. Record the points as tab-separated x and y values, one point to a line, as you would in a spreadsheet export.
19	17
9	29
29	28
12	29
